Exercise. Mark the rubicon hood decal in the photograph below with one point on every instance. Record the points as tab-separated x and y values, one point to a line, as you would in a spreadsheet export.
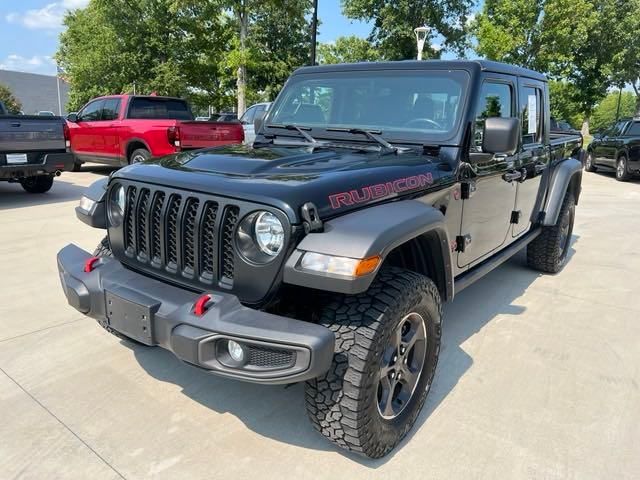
380	190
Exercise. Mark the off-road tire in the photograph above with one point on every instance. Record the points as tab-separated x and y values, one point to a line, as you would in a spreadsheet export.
77	166
343	404
548	252
103	249
589	164
139	155
622	169
37	184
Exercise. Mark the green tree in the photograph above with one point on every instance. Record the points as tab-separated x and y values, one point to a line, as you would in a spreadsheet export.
604	114
12	104
544	35
348	50
563	105
627	62
166	46
249	19
394	21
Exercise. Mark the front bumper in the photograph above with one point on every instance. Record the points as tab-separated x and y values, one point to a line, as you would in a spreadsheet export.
50	164
278	349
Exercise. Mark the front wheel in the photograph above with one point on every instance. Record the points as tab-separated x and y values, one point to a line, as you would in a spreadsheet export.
37	184
622	170
387	347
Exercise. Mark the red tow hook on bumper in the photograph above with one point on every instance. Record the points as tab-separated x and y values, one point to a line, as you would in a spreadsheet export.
201	305
90	264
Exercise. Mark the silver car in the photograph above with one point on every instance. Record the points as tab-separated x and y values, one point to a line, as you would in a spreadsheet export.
247	120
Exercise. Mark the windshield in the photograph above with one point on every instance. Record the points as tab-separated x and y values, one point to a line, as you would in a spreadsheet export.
404	105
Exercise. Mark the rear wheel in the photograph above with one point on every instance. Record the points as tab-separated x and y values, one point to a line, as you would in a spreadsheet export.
622	170
139	155
548	253
387	347
37	184
589	164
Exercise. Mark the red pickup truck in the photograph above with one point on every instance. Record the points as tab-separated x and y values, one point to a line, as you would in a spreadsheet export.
123	129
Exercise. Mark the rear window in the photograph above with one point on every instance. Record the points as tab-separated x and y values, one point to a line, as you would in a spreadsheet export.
159	108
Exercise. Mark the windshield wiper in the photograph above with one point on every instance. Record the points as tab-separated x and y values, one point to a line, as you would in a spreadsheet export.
372	135
299	129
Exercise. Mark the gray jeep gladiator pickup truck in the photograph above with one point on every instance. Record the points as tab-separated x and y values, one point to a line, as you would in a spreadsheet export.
33	150
324	252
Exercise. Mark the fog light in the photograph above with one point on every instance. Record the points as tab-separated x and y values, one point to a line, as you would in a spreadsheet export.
236	352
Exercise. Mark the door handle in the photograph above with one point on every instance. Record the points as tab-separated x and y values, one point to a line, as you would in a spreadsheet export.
511	176
15	124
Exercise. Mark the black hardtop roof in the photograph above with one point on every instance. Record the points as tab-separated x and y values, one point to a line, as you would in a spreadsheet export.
469	65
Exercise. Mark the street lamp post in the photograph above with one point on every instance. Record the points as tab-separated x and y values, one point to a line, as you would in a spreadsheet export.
421	37
314	31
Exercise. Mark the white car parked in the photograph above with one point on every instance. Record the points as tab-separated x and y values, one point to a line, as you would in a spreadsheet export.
247	120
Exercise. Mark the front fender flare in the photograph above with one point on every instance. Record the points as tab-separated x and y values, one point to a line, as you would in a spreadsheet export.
365	233
563	174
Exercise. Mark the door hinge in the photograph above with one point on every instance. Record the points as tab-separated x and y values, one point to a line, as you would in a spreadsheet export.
468	188
462	242
515	216
312	222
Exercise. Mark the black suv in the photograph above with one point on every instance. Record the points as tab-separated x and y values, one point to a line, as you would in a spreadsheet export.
616	149
324	252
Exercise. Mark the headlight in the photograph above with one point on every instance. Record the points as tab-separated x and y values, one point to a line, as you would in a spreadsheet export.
117	203
260	237
269	233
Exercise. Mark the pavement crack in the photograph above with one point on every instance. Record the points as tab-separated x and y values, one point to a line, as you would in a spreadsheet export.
42	329
64	425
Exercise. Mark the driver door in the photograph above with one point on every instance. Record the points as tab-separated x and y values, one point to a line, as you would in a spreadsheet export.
486	216
85	143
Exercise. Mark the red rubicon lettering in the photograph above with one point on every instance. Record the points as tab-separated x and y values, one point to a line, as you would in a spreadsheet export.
380	190
340	199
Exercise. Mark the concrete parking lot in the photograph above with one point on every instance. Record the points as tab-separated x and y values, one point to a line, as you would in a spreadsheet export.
538	377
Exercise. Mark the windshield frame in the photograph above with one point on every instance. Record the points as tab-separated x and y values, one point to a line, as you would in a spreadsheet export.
397	137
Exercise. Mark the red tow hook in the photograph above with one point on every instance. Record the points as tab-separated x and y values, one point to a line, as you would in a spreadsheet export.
90	264
200	307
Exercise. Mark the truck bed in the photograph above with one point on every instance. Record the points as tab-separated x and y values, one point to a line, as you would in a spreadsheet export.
565	145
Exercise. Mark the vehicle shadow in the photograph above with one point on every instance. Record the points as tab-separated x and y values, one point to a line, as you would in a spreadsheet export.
98	169
278	412
13	196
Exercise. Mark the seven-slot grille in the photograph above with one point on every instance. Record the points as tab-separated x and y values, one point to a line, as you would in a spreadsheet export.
179	233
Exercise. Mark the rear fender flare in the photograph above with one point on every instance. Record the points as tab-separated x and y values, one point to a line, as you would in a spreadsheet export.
565	174
366	233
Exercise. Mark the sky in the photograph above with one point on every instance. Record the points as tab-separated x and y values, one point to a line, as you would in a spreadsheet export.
29	31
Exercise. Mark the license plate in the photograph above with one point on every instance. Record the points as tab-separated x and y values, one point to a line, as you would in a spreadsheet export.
16	158
130	318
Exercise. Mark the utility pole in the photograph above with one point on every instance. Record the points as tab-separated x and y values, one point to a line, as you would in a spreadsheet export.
421	38
619	100
58	72
314	32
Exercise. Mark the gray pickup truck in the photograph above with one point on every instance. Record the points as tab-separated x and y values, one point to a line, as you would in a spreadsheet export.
33	150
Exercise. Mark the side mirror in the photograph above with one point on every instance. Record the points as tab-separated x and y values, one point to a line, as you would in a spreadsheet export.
258	120
72	117
501	135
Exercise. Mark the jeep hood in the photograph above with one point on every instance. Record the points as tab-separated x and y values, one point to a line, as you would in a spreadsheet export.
334	180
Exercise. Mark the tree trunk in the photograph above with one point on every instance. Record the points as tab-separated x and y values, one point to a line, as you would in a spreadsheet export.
636	90
241	82
585	127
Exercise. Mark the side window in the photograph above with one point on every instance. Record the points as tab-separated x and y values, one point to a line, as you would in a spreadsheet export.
249	115
495	101
531	108
111	109
634	130
92	112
